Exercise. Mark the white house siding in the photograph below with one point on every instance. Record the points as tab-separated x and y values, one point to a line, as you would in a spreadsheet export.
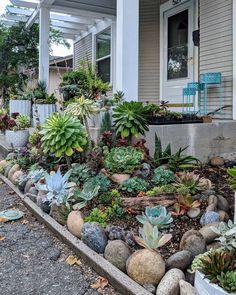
149	52
216	51
83	50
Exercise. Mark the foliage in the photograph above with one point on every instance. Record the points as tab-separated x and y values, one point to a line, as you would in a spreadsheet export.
227	234
41	96
141	145
182	190
80	173
23	122
6	123
228	281
35	138
151	238
107	139
167	188
163	176
57	187
109	197
99	216
232	173
118	97
156	216
192	182
102	181
62	135
123	159
23	162
161	157
134	185
184	203
85	195
130	119
197	263
36	175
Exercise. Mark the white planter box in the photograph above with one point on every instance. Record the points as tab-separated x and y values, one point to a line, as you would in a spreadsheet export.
17	138
44	111
204	287
23	107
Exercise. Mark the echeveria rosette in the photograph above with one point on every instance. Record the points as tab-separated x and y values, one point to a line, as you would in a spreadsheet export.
63	134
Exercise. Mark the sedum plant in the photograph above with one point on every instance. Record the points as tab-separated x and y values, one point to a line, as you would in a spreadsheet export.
226	233
62	135
151	238
163	176
227	281
164	189
156	216
80	173
22	122
123	160
134	185
56	187
102	181
130	119
85	195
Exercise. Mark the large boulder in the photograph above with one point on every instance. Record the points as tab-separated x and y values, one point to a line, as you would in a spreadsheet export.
16	176
169	285
180	260
117	253
75	223
94	236
194	242
13	169
146	267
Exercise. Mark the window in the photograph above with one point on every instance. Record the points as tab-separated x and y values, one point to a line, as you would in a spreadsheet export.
103	55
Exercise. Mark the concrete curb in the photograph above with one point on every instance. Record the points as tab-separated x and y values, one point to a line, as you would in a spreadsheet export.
117	279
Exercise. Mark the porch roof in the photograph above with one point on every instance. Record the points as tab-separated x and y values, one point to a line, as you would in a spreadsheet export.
71	17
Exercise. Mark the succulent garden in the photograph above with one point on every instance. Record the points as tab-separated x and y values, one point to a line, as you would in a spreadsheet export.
162	218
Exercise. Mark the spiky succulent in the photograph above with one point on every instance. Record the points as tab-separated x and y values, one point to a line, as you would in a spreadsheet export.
62	135
134	185
156	216
227	281
163	176
183	204
226	233
123	159
151	237
85	195
232	173
164	189
80	173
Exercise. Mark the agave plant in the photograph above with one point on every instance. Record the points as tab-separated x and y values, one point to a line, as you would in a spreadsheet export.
130	119
151	238
184	203
56	187
88	192
156	216
227	281
226	233
62	135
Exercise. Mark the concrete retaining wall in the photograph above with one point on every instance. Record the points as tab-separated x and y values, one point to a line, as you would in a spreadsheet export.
204	140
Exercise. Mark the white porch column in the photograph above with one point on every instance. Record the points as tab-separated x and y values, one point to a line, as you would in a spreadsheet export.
234	62
44	28
127	48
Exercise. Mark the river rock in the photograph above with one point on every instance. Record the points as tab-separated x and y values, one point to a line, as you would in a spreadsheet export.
28	186
150	288
169	285
193	242
117	253
186	288
144	171
33	190
43	203
16	176
208	234
211	207
94	236
31	197
180	260
146	267
209	217
7	169
223	204
13	169
3	165
212	199
11	156
217	161
56	214
75	223
193	213
223	216
214	246
209	192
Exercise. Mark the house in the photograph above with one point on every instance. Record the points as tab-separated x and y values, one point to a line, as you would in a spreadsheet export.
151	50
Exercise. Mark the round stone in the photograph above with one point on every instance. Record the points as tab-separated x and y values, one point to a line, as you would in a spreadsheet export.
211	207
94	236
3	164
13	169
117	253
186	288
75	223
56	213
193	242
193	213
43	204
212	200
7	169
169	285
146	267
180	260
16	176
209	217
217	161
28	186
223	216
208	234
33	190
150	288
223	204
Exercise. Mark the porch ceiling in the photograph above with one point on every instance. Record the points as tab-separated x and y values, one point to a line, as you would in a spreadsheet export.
71	17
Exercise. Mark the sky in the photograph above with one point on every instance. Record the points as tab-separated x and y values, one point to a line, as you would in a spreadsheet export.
57	50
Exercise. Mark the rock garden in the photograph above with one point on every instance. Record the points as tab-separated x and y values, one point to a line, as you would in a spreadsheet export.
164	219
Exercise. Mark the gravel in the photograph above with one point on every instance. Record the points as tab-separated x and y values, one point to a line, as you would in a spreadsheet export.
32	259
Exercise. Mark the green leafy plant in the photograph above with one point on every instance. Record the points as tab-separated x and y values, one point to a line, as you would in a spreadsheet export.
226	233
80	173
102	181
41	96
35	138
182	190
134	185
151	238
183	204
85	195
167	189
118	97
161	157
99	216
163	176
109	197
130	119
22	122
123	160
156	216
232	174
197	263
227	281
62	135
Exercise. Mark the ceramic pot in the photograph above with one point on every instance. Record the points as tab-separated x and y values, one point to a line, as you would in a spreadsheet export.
17	138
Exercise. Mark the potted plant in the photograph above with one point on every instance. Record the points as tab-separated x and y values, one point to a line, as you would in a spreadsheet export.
17	133
44	104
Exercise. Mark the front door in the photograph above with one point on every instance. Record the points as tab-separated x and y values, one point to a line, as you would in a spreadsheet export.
178	51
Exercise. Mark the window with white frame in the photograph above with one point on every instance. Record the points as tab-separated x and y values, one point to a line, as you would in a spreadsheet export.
103	55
